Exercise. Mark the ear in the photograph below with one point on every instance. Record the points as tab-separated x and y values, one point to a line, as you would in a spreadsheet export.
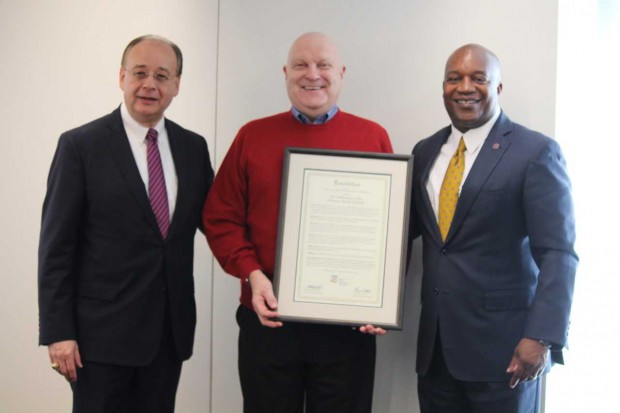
285	72
121	78
344	69
177	85
499	88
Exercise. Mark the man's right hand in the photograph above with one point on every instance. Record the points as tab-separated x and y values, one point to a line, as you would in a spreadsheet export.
67	355
263	299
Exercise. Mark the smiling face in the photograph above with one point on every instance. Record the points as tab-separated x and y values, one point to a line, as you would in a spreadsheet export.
313	74
471	87
149	80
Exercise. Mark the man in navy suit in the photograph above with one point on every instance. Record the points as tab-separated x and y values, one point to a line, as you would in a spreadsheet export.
116	287
498	285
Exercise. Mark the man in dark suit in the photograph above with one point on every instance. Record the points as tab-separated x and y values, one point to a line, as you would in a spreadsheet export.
124	199
492	201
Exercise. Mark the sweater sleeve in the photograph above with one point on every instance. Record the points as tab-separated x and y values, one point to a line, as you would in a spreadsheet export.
224	215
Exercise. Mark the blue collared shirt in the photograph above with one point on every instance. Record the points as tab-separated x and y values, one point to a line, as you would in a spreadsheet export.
318	121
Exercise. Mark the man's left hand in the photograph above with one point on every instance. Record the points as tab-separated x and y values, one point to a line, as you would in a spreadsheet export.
528	361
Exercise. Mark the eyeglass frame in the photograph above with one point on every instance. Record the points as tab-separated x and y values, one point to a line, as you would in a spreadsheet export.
140	75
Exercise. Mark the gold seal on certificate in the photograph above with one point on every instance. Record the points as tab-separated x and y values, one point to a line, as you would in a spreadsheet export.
342	238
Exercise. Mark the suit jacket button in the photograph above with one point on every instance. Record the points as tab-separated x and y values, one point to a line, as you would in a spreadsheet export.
436	291
444	251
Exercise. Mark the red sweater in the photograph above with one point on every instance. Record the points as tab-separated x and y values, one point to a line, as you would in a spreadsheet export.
241	213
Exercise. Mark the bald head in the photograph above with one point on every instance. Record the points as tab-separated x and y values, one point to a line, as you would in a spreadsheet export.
471	86
313	40
480	52
313	74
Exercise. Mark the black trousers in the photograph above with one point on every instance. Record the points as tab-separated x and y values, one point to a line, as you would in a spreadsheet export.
108	388
319	368
440	392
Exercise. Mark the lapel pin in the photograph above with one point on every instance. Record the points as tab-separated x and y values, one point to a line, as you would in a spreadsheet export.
496	146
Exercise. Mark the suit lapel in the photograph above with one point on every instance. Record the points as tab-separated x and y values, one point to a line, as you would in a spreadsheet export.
492	151
121	151
178	147
427	214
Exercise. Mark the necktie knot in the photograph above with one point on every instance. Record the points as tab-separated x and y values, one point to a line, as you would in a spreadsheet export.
460	150
151	135
459	155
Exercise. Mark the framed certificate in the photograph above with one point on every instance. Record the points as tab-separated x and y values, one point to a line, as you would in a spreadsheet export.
342	237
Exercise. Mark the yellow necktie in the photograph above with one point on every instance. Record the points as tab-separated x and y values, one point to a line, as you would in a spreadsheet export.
449	194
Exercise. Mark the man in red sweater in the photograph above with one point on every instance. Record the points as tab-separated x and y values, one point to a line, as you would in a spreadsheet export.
288	367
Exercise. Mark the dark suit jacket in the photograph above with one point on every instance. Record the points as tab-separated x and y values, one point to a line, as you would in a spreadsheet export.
506	270
105	272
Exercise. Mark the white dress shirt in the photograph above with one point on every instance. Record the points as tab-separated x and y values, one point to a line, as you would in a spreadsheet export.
474	138
137	140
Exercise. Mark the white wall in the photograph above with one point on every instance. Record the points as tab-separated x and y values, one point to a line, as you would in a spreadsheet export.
589	32
60	69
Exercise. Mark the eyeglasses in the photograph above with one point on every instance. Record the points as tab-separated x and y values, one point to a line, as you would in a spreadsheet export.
140	75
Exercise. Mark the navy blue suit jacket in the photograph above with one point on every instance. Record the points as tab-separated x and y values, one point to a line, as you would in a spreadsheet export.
506	269
105	272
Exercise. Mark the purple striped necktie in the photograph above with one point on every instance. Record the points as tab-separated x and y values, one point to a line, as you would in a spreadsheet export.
157	184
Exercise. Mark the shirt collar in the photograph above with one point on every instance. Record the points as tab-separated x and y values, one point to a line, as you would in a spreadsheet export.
134	129
474	138
319	120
